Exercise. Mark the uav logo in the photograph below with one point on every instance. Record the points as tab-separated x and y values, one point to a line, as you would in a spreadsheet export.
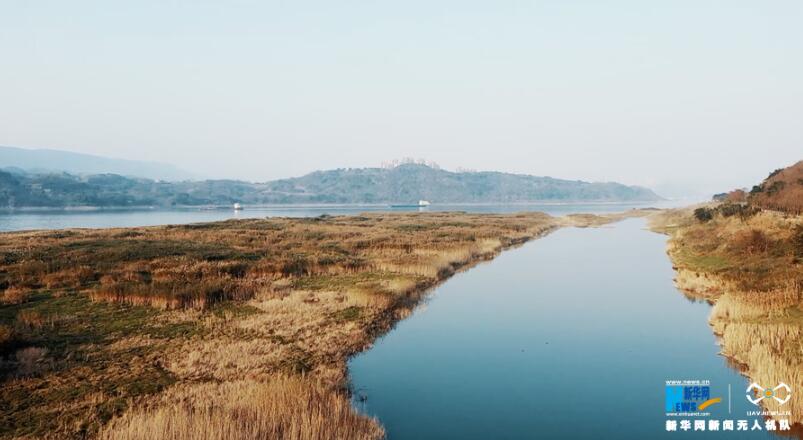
768	393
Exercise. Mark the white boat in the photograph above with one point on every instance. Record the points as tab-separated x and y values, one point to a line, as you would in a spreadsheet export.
238	207
420	204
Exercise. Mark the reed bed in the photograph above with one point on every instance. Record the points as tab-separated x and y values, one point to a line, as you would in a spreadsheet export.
200	265
245	324
771	351
750	267
760	253
291	408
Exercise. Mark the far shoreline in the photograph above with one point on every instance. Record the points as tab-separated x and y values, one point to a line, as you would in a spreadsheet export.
91	208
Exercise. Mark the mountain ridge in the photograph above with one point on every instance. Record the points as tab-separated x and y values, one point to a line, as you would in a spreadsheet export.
401	184
410	182
46	160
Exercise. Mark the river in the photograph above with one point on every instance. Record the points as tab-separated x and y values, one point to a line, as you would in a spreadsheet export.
570	336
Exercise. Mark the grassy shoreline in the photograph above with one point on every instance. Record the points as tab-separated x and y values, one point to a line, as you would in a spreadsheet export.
132	332
748	267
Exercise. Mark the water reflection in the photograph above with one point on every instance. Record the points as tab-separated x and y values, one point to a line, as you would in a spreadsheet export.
570	336
766	346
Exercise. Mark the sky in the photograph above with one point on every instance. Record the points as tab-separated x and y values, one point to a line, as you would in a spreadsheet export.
686	97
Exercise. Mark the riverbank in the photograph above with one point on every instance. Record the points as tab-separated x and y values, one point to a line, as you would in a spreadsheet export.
746	262
240	328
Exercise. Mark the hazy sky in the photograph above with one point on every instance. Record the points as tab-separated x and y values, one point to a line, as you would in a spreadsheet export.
698	95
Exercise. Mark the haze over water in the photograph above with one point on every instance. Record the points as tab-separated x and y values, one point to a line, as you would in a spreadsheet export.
117	218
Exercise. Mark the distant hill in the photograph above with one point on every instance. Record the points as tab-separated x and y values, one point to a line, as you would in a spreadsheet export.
782	190
402	184
411	182
47	161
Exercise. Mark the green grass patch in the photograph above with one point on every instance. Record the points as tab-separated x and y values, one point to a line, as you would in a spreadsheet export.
705	262
76	333
234	310
352	313
342	282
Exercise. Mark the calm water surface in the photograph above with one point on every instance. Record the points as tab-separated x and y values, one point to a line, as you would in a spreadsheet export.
569	336
59	219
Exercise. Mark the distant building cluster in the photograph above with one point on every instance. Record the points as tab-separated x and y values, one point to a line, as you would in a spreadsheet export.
390	164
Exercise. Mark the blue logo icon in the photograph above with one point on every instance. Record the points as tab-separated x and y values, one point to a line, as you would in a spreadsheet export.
688	398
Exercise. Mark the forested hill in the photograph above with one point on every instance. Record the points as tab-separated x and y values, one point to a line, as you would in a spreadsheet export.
411	182
781	191
402	184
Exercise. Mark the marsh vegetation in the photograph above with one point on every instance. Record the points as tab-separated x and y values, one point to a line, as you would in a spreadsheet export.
239	328
748	262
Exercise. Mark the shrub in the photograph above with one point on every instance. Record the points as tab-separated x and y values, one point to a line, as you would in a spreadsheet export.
743	211
776	187
297	266
703	214
752	241
737	196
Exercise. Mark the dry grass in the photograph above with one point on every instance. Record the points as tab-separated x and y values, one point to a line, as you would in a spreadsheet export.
750	267
760	253
14	295
215	314
291	408
593	220
200	265
765	337
31	318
